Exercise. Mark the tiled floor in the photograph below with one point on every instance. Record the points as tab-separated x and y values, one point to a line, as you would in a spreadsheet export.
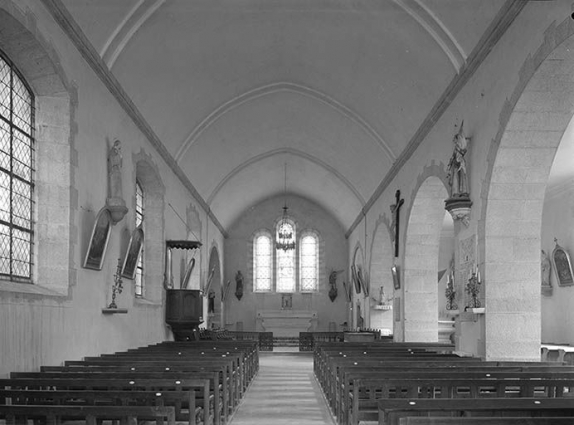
284	392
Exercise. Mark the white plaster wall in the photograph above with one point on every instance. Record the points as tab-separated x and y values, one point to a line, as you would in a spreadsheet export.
482	104
306	215
39	329
557	311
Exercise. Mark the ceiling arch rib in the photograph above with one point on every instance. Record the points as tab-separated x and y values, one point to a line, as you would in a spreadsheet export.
437	30
282	151
274	88
120	37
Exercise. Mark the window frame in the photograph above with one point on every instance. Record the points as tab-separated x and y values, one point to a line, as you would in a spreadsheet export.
315	236
270	265
294	256
139	278
12	175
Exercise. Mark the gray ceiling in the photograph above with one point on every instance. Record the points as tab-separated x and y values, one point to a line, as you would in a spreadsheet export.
236	89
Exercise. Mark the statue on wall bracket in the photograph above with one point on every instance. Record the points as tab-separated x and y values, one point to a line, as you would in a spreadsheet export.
459	203
115	202
239	285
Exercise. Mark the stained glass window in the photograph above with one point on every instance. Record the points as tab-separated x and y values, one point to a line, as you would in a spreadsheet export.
262	263
139	222
309	263
16	174
286	280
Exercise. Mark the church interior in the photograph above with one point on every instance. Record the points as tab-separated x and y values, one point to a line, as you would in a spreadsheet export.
402	167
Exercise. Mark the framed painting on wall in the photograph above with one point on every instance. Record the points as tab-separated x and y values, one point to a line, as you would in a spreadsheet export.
355	278
133	253
99	240
396	280
562	266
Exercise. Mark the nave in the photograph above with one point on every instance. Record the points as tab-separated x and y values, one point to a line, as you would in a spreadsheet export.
232	382
284	392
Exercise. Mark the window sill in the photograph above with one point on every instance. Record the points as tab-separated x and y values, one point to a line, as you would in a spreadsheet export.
28	289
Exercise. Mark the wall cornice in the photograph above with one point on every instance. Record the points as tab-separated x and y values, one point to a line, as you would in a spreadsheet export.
67	23
506	16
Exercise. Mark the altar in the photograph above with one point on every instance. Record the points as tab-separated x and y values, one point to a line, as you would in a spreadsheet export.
286	322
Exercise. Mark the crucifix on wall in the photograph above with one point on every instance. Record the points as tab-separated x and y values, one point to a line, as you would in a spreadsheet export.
395	210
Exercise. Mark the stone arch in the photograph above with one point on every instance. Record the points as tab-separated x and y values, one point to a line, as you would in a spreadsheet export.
147	173
382	259
56	198
422	241
532	124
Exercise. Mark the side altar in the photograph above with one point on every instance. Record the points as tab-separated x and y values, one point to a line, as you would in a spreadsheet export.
286	322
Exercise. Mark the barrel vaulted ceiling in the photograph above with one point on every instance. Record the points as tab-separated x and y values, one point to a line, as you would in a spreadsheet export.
332	90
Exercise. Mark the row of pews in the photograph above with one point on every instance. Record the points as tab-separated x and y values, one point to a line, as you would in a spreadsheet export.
427	384
199	382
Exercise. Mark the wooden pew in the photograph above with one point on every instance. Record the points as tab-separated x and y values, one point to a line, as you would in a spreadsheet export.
341	393
184	402
490	420
136	379
130	415
199	387
391	410
245	368
230	383
367	392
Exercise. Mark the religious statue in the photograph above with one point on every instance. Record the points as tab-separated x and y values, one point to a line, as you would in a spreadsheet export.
211	301
115	202
382	298
457	171
239	285
115	170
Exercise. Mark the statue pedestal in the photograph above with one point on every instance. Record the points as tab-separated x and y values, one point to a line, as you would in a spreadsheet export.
459	208
117	208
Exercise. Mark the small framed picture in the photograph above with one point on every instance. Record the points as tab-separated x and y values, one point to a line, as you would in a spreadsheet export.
562	266
133	253
99	240
396	278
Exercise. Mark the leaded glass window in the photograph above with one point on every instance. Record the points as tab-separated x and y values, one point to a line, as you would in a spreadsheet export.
286	267
16	174
262	263
309	263
139	222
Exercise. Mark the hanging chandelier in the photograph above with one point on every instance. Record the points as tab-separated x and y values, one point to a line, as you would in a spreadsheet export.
285	239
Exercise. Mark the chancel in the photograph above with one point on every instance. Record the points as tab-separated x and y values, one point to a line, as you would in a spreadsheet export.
299	211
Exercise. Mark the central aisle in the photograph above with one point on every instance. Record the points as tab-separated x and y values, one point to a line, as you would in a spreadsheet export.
284	392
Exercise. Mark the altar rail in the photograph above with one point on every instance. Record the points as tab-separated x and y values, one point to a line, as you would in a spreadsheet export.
265	339
307	340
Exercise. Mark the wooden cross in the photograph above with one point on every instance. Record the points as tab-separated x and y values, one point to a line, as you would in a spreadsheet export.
395	210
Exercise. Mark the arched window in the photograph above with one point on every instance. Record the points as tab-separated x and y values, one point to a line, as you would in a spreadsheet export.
262	263
286	265
16	174
140	204
309	263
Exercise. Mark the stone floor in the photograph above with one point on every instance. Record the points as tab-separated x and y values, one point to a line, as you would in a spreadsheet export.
285	392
